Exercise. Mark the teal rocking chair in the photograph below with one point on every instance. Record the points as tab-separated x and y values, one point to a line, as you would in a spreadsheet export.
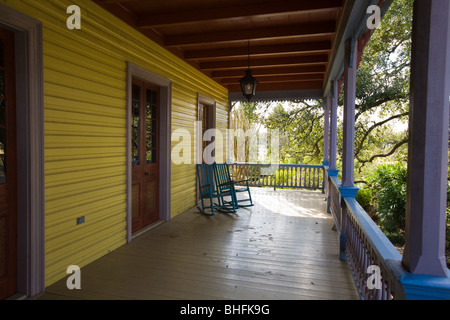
208	191
226	184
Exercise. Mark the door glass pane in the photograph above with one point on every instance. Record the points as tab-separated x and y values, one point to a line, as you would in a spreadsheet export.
151	156
2	155
151	104
151	126
135	125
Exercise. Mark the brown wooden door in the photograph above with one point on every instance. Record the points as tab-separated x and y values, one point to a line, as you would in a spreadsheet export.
206	114
145	154
8	167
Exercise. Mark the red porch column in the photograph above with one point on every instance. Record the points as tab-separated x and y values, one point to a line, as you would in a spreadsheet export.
428	139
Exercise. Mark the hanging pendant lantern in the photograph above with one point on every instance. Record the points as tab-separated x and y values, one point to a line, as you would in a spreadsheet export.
248	85
248	82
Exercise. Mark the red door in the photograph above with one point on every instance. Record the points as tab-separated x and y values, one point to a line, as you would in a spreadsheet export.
8	167
145	154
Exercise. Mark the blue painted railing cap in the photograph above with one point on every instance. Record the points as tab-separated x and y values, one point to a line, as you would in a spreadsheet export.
426	287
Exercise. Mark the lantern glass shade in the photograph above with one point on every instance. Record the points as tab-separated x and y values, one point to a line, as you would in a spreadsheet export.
248	85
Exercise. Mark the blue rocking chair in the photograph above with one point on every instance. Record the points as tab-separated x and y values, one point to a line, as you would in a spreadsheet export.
208	191
226	184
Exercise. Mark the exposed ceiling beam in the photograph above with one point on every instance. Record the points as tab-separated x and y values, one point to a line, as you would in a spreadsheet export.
269	71
301	85
302	30
114	1
230	64
272	79
306	47
273	8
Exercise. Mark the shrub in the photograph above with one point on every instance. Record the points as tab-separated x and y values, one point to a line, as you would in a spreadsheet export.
364	198
389	193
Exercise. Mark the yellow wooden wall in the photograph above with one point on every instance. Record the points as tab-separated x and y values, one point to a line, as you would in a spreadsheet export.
85	131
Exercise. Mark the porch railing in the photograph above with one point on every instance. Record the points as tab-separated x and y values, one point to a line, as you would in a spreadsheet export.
297	176
375	262
335	200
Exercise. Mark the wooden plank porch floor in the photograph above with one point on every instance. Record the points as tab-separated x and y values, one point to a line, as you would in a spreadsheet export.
283	248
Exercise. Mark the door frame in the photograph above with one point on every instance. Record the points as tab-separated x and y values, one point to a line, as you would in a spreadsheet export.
203	101
165	115
30	150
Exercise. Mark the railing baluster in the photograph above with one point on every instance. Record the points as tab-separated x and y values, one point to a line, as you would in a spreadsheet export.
313	178
295	177
317	186
309	178
258	181
290	176
287	176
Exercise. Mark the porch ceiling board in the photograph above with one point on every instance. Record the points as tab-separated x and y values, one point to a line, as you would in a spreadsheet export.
290	43
241	10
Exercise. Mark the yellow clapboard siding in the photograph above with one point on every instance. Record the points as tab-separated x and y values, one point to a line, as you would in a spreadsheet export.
183	169
77	175
64	70
184	112
67	153
62	229
77	106
57	45
77	82
94	207
81	187
55	207
77	141
72	192
84	119
105	241
61	166
85	126
81	129
59	91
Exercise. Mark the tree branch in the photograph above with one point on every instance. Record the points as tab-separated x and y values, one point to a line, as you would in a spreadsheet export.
378	124
383	155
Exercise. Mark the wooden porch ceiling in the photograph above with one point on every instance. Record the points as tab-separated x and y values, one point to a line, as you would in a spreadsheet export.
290	42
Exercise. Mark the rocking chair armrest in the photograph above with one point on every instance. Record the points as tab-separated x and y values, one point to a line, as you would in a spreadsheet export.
205	186
228	183
246	181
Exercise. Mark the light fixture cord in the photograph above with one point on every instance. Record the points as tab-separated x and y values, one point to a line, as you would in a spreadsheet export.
249	53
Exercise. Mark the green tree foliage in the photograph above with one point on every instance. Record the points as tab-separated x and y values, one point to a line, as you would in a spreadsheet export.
388	190
383	90
301	131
